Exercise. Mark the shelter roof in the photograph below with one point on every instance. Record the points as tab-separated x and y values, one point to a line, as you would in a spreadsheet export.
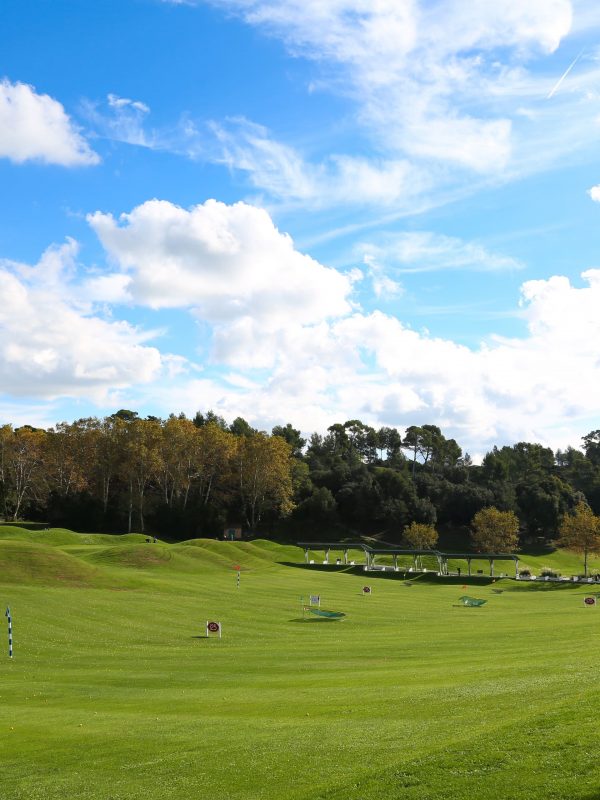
399	551
483	556
331	545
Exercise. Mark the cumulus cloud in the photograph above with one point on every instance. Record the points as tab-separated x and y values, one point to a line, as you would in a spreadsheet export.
35	127
51	341
294	346
226	262
542	387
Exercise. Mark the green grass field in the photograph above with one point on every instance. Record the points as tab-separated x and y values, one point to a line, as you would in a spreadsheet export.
115	694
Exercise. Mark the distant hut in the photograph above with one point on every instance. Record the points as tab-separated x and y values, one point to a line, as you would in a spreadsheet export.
233	531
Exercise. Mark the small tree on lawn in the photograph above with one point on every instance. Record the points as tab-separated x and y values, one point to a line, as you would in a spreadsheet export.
495	531
580	531
419	536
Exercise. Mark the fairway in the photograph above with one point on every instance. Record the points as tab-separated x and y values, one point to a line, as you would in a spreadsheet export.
115	693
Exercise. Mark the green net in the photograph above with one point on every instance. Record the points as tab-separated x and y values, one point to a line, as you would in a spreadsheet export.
472	602
319	612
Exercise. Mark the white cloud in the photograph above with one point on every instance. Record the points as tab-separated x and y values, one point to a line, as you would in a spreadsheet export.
384	287
425	251
542	387
449	97
288	344
51	341
123	120
426	76
114	101
594	193
283	172
36	127
229	263
299	349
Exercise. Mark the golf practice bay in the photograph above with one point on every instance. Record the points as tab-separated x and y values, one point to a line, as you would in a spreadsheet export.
115	691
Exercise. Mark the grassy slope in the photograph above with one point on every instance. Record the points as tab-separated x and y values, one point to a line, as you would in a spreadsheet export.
112	696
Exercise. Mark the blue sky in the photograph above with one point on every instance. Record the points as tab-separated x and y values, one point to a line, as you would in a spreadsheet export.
303	211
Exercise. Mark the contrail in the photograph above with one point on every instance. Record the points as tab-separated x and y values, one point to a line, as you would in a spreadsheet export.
554	89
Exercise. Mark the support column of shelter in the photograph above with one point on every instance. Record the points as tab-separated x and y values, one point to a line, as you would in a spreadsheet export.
306	554
516	568
469	566
395	562
345	556
327	556
491	567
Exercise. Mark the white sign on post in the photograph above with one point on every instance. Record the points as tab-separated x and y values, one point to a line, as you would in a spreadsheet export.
213	629
589	601
315	600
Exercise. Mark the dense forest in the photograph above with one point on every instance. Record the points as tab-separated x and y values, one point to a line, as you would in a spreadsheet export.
184	477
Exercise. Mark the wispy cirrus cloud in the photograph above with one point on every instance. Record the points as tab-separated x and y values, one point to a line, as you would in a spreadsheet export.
454	95
446	101
282	172
425	251
123	120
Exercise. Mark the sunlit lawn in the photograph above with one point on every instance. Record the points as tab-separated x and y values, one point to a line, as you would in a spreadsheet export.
115	694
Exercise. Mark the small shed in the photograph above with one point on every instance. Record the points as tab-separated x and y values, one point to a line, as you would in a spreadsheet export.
233	531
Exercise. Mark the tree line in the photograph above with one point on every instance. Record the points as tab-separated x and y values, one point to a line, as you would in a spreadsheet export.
182	477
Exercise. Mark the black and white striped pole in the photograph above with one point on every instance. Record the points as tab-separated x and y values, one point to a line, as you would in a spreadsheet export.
7	614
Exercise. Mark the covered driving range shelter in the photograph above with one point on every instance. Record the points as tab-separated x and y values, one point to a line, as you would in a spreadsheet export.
371	554
469	557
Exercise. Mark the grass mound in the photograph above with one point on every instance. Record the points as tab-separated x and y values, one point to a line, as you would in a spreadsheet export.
30	563
136	556
63	536
257	554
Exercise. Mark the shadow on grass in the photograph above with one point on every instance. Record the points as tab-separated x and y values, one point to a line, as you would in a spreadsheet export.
323	567
543	586
408	578
26	526
412	579
317	621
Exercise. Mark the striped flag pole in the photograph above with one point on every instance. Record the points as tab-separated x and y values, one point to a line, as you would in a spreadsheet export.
7	614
